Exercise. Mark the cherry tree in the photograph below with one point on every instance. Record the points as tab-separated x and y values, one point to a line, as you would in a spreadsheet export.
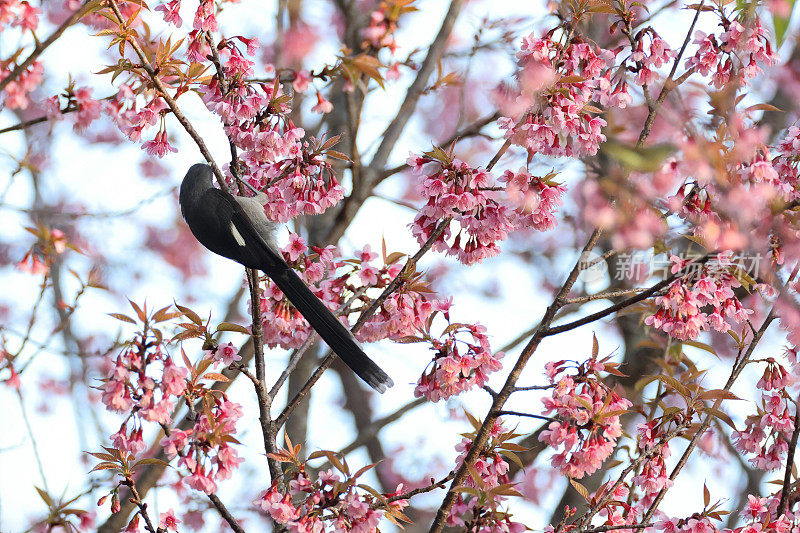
573	226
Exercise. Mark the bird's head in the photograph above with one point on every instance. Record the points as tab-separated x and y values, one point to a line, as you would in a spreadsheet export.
198	180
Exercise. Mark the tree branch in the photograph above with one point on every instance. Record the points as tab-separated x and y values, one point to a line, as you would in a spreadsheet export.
42	46
370	174
225	513
502	396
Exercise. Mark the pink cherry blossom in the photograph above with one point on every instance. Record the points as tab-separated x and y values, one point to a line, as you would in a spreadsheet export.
322	106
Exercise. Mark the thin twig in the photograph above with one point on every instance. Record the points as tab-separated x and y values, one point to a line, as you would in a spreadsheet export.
669	83
470	131
34	442
296	356
137	500
519	339
498	155
225	514
524	415
422	490
244	370
609	491
534	387
600	529
628	302
602	296
369	431
596	260
312	337
34	121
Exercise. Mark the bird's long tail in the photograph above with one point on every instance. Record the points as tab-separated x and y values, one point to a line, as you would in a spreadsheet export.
340	340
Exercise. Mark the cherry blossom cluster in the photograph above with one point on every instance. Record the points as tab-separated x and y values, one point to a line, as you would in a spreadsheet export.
559	120
627	213
295	176
132	122
462	360
205	19
264	142
380	31
481	513
630	500
333	502
352	511
303	183
761	514
129	390
405	311
7	362
144	381
653	475
235	99
50	242
206	450
725	190
694	524
19	14
455	189
767	433
617	511
535	199
658	53
379	34
586	411
469	196
735	55
693	201
171	12
16	93
87	108
730	211
782	171
700	299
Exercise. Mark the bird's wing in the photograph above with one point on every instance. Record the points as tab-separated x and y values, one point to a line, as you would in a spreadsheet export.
251	241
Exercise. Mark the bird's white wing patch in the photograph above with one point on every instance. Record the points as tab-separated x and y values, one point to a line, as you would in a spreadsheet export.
236	235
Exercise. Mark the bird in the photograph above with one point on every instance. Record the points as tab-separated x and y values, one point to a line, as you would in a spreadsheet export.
237	227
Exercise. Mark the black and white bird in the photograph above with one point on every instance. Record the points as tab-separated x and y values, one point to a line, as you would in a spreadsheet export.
236	227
